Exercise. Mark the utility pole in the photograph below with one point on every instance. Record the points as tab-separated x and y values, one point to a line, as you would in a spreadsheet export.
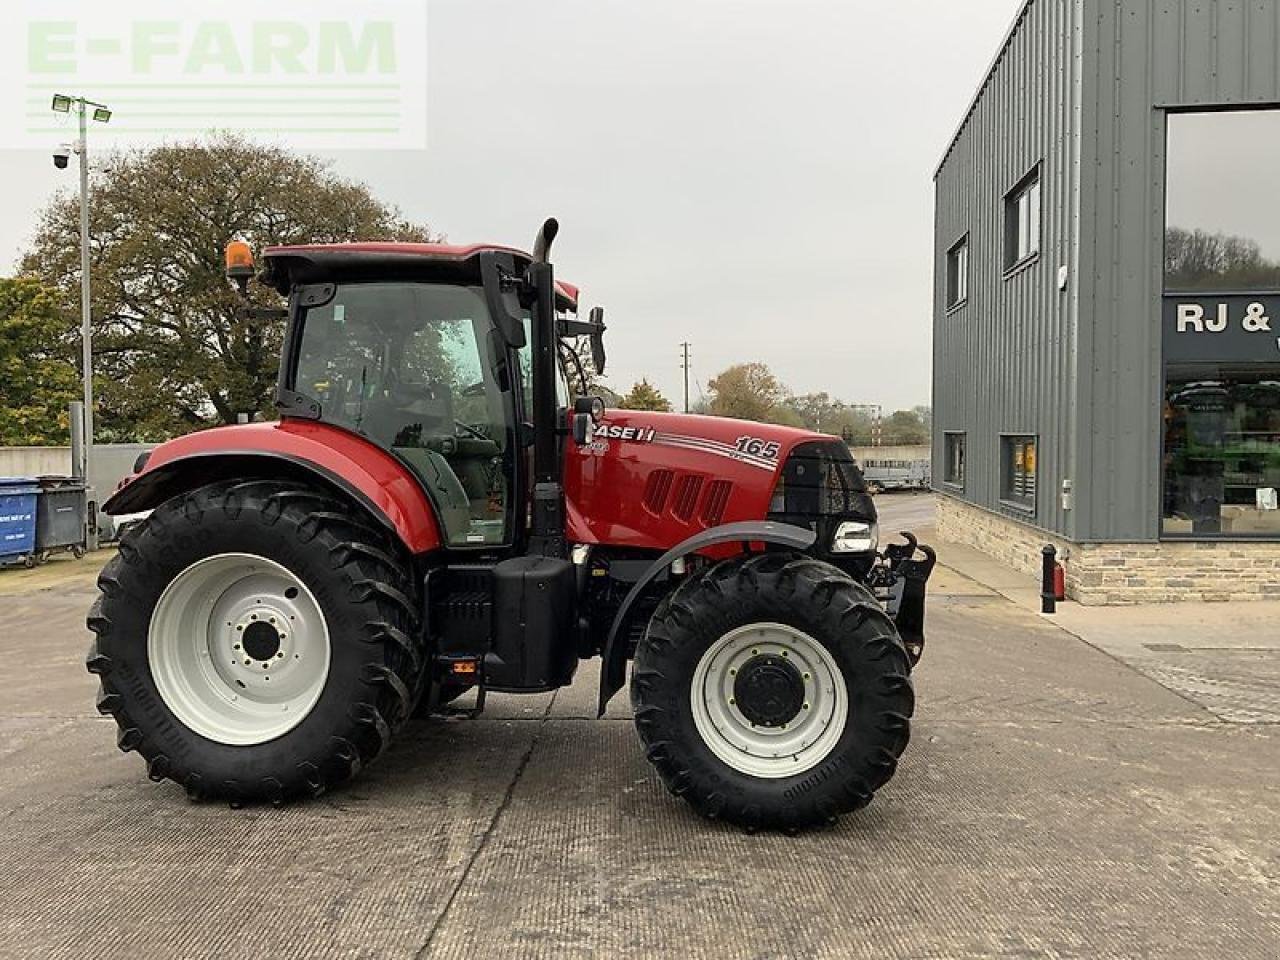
102	114
685	365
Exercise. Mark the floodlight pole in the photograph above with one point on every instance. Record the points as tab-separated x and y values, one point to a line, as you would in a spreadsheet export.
86	309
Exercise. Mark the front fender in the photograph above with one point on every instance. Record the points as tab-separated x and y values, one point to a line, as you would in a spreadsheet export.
367	474
613	670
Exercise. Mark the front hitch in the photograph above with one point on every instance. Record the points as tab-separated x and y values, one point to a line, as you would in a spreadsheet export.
898	580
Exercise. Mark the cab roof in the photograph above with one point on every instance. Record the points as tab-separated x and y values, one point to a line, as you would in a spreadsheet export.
285	265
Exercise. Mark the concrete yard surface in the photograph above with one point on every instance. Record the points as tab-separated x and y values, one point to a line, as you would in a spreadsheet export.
1055	802
1224	657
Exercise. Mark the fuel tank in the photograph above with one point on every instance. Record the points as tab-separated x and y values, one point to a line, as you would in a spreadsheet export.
652	480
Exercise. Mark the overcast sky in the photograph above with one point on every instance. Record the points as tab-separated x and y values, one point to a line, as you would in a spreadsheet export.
754	176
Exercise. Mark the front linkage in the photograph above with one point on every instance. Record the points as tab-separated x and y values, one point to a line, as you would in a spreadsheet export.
898	580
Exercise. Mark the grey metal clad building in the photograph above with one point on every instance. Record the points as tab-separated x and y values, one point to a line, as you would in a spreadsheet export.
1107	299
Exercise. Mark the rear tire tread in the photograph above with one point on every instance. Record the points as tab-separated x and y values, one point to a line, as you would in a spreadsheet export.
364	557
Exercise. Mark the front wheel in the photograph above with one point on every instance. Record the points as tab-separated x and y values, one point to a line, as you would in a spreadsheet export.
773	692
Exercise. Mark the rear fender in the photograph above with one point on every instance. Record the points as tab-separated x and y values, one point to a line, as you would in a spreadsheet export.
365	474
614	669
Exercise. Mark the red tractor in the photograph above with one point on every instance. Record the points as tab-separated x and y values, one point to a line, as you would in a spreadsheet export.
433	511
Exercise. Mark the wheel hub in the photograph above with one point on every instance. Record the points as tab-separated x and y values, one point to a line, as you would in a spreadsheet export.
769	691
261	641
769	700
238	648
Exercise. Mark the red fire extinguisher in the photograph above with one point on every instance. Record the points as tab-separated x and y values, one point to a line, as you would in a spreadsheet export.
1059	581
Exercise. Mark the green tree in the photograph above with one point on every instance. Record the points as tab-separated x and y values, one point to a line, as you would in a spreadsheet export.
750	391
1200	260
172	348
825	413
645	396
814	408
904	427
38	376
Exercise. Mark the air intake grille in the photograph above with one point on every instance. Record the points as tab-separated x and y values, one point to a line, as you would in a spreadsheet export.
686	501
656	490
717	498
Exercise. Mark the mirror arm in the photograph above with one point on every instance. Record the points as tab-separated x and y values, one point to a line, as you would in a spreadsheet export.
577	328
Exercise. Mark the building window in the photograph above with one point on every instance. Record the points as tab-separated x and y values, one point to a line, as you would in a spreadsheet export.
1018	471
953	459
1222	450
1220	237
1022	221
958	273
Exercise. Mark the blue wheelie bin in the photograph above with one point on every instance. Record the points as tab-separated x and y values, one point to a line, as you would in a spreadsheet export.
18	520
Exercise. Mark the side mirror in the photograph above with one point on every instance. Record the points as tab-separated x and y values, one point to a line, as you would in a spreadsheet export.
597	340
584	429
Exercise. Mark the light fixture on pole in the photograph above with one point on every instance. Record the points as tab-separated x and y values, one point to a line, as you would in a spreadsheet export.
101	114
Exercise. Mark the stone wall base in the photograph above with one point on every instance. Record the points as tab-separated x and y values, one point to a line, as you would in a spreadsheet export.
1118	573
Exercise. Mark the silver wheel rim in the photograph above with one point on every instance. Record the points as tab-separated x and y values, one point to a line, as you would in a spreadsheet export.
213	658
769	752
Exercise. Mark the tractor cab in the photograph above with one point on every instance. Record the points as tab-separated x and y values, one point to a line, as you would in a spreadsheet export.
400	344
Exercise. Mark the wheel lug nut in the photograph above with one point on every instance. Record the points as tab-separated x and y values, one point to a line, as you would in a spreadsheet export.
806	706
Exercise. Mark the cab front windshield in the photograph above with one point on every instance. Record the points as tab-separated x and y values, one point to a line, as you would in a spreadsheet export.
409	366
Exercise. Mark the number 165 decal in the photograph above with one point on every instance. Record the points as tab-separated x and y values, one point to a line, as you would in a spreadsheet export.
758	448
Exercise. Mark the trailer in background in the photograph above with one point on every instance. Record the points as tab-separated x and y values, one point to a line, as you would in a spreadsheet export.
883	475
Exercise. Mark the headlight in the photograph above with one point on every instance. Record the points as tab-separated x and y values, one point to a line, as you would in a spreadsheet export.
853	536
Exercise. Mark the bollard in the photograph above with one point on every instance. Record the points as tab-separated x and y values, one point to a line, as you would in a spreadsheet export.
1048	591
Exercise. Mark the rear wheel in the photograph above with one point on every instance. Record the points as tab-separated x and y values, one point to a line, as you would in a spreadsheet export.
773	692
254	641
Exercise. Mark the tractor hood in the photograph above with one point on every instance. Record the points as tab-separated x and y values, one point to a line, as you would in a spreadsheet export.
761	445
652	480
